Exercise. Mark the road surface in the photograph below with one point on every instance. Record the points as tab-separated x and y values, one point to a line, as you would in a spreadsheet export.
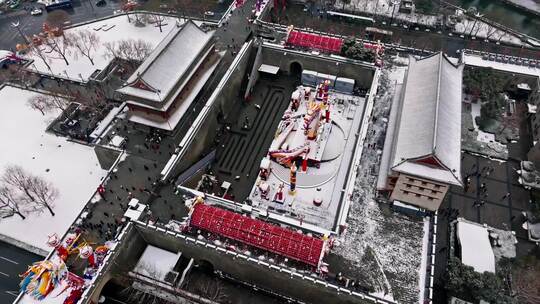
13	261
82	10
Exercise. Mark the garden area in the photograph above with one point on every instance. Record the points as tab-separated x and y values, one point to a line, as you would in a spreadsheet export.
514	282
492	111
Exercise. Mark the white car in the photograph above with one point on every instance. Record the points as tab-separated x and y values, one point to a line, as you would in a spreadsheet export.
36	11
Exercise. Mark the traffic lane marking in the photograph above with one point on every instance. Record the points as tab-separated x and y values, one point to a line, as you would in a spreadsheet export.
9	260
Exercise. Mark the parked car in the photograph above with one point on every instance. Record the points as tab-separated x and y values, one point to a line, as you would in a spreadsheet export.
532	225
36	11
14	4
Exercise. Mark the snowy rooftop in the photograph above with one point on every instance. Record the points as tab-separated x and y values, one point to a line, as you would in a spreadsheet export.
181	98
476	249
475	59
168	64
72	168
333	150
429	123
108	30
156	262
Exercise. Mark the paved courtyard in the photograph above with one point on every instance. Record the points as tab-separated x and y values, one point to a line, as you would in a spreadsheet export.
499	205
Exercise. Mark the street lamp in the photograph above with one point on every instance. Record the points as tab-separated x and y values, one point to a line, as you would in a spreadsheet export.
394	4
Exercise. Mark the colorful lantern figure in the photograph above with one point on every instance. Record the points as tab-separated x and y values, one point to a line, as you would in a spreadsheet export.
307	93
264	168
278	197
99	254
264	188
95	259
53	240
292	181
42	277
71	240
75	295
85	252
75	285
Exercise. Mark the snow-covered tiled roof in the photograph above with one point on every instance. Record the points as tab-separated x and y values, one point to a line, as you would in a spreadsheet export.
168	63
429	123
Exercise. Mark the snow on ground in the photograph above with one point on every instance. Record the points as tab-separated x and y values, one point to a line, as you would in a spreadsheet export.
384	247
384	8
113	29
72	168
156	262
485	31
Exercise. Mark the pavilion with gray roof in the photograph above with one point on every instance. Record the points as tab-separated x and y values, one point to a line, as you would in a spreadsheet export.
422	153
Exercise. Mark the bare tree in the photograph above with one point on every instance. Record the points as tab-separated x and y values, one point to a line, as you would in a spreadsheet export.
16	177
86	43
473	26
128	6
10	204
128	49
59	46
47	103
504	34
490	31
211	289
43	192
36	49
141	295
38	102
159	22
33	190
478	28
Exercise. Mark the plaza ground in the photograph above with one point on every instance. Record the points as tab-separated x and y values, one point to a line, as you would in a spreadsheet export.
72	168
114	29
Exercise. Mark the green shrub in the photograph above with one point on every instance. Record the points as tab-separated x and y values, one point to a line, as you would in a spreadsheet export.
465	283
